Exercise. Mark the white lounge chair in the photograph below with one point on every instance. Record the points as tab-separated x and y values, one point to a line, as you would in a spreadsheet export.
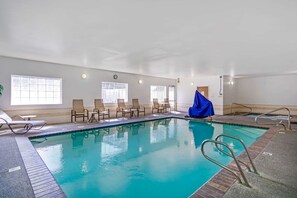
5	119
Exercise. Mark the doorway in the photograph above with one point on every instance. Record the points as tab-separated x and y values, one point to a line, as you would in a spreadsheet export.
203	90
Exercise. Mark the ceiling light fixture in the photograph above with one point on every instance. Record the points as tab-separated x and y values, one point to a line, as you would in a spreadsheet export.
84	76
140	82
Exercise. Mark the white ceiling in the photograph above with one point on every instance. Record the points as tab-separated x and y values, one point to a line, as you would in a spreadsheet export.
168	38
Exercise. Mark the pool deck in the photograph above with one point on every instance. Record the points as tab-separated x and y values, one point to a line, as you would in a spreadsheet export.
24	174
274	157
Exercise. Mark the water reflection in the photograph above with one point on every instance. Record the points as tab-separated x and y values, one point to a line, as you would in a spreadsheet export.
115	140
78	139
117	161
201	131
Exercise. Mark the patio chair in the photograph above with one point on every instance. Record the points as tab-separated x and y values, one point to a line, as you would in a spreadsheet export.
78	110
139	109
27	125
122	108
100	108
157	106
166	105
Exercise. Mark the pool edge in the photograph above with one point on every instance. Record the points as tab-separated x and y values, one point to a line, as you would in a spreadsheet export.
217	185
42	181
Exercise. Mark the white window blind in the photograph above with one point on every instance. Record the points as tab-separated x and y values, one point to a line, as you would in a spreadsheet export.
158	92
112	91
31	90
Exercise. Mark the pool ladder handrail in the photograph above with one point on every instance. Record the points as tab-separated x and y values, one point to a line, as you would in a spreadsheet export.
246	183
245	148
245	113
279	123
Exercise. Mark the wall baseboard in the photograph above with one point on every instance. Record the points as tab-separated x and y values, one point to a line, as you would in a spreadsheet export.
61	115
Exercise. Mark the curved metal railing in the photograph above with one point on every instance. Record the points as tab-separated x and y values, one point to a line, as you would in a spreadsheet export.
245	113
245	148
222	165
279	123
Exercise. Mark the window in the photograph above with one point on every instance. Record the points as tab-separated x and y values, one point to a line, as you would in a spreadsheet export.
29	90
112	91
158	92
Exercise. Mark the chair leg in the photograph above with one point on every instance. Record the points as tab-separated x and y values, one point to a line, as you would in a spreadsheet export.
27	129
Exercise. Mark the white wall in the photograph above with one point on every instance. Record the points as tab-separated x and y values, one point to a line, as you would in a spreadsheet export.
186	92
73	86
229	90
262	93
229	95
272	90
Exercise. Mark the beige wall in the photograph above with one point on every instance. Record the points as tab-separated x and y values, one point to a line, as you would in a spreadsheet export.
73	87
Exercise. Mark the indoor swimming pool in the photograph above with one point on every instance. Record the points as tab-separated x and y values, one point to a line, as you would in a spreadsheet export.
160	158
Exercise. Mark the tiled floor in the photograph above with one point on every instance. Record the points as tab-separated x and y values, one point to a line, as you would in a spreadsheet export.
44	185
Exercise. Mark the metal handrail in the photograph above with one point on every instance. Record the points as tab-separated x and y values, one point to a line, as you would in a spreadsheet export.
245	148
282	108
222	165
241	106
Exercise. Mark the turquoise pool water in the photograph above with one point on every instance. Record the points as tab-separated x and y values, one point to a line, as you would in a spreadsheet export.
159	158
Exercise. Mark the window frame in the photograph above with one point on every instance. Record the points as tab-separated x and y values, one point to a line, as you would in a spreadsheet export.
115	99
159	99
13	103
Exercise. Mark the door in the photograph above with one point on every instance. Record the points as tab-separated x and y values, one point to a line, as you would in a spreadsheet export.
203	91
171	97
